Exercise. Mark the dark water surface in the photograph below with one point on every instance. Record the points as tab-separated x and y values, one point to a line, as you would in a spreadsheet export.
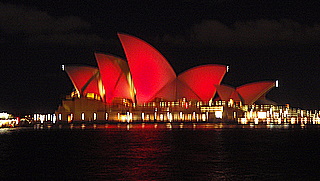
146	152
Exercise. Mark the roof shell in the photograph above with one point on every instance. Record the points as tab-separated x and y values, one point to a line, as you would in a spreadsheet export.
150	70
225	91
253	91
115	76
85	79
202	80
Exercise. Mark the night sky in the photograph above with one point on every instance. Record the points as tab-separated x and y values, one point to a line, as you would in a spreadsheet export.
258	39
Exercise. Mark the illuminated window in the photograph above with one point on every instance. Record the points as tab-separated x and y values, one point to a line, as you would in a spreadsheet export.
54	118
48	117
162	104
169	116
161	117
218	114
94	116
106	116
189	117
60	117
82	116
203	116
90	95
70	118
42	118
262	115
35	117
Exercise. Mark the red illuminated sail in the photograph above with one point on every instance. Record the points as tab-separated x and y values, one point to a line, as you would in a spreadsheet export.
150	71
253	91
201	81
225	91
168	92
115	74
85	79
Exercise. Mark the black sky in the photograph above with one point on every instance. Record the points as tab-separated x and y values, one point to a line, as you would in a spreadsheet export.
259	39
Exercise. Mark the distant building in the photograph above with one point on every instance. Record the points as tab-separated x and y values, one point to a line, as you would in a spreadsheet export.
144	87
7	120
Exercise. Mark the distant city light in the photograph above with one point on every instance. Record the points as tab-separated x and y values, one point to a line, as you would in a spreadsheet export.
4	115
277	83
63	67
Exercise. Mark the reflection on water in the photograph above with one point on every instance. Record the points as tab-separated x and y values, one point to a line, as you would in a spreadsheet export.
163	151
171	126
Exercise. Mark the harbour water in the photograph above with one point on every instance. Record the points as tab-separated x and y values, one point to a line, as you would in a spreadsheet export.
160	152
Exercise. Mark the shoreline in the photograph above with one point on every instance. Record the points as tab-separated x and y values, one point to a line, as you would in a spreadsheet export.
168	126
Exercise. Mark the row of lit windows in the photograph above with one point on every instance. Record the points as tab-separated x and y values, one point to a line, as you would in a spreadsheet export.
185	104
128	116
170	117
94	116
44	117
83	116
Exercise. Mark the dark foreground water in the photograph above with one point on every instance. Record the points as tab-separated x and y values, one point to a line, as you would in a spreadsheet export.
148	152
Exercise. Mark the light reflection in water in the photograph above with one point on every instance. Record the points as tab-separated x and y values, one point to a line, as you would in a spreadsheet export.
167	152
169	126
173	126
143	156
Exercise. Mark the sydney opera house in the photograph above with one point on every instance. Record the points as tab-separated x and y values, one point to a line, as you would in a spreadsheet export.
145	88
